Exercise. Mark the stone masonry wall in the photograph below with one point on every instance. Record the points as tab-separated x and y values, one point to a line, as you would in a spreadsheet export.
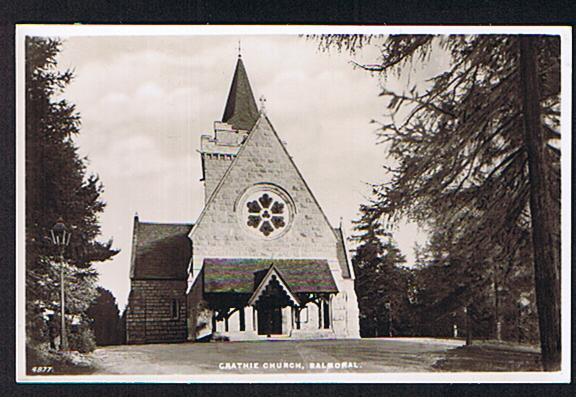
149	316
215	165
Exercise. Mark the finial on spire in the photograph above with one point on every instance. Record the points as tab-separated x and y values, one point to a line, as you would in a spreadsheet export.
239	49
262	100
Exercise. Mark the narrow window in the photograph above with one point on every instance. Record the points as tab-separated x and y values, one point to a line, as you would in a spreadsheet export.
242	320
226	324
297	312
175	309
326	314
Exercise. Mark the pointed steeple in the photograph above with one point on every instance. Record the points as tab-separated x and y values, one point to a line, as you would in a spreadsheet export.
241	111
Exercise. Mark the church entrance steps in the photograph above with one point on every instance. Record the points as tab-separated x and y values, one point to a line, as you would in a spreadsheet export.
319	334
274	337
294	335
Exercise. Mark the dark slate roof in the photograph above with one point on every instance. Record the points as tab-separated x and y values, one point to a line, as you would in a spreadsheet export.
341	253
160	251
241	111
242	275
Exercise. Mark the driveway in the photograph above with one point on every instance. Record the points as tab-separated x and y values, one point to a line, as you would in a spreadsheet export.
363	355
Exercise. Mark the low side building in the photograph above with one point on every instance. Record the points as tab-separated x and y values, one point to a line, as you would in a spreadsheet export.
157	308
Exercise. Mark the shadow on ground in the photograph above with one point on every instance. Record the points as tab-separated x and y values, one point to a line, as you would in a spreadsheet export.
489	357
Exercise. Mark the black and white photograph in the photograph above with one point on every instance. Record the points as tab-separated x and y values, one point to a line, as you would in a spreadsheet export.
293	204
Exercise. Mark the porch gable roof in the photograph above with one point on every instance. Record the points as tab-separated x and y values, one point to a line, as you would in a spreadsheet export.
243	275
271	275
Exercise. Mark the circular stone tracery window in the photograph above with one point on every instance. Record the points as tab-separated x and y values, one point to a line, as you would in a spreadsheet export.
266	211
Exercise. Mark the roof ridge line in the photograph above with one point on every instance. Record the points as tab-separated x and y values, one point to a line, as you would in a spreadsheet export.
165	223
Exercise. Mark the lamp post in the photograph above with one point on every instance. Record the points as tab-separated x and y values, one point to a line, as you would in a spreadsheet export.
61	238
388	306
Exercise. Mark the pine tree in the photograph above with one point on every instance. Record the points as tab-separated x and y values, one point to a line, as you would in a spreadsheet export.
57	186
381	284
476	152
105	319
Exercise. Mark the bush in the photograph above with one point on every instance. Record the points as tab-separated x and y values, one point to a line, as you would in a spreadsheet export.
62	363
106	321
82	339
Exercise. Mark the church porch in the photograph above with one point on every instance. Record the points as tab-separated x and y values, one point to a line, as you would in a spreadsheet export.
270	322
247	302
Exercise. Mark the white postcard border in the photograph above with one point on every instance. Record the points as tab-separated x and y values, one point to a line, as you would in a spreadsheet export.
564	32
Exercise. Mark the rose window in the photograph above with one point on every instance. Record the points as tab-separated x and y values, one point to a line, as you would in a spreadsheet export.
265	211
267	214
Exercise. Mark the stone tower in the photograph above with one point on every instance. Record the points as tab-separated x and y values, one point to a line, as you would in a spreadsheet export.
239	117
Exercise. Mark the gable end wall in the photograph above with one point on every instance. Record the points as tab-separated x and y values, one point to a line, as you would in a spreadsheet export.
220	233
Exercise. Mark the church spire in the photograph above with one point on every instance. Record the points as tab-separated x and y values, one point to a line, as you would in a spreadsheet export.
241	111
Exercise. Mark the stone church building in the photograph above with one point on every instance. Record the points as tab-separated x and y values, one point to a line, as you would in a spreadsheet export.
262	259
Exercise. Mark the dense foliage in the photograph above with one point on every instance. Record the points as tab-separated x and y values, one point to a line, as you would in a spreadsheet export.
57	186
105	319
381	284
486	299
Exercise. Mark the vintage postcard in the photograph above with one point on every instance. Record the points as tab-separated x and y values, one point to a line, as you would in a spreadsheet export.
293	204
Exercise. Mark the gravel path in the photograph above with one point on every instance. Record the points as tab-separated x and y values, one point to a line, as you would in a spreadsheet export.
366	355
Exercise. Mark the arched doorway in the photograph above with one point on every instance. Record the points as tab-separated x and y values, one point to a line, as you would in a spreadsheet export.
269	304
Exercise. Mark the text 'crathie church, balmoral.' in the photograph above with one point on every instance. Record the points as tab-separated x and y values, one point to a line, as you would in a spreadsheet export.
261	261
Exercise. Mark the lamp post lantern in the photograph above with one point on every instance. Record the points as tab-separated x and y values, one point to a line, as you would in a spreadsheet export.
61	238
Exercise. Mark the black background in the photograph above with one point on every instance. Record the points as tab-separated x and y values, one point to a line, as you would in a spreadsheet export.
351	12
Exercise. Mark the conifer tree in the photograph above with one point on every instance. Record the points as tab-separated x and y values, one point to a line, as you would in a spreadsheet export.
105	318
381	284
57	186
476	152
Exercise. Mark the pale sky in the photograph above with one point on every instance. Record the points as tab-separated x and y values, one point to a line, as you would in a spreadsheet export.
145	102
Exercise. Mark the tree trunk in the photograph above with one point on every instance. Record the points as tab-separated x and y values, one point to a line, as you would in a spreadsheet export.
497	318
519	323
546	255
